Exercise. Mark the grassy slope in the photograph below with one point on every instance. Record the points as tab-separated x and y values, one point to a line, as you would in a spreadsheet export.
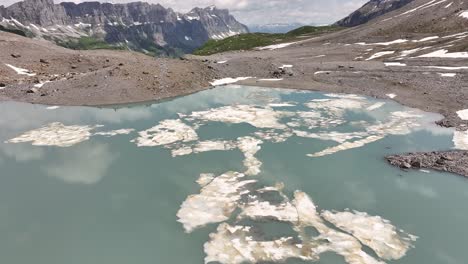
253	40
88	43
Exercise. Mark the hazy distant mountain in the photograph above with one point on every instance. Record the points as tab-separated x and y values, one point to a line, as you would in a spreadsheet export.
274	28
371	10
138	26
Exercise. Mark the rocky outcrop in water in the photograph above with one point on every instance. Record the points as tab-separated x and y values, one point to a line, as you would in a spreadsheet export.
449	161
138	26
371	10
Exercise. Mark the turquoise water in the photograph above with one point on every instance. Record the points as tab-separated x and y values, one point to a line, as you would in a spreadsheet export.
107	200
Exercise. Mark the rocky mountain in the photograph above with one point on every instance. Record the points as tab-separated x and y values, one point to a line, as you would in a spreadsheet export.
371	10
138	26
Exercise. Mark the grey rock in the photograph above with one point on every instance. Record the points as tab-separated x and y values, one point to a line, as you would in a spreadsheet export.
371	10
138	26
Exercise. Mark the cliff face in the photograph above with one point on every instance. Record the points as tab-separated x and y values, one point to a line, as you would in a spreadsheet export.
371	10
41	12
138	26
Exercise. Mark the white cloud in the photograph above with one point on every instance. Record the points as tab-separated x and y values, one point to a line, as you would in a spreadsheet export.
84	164
265	12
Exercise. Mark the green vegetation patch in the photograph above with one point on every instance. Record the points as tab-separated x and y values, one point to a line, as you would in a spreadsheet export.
89	43
14	31
253	40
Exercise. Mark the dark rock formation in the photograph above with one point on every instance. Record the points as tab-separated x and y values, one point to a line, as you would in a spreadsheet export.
371	10
137	26
449	161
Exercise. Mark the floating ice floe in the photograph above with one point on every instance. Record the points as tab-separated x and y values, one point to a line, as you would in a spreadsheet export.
394	64
463	114
228	81
332	136
273	135
55	134
460	139
380	54
259	117
375	106
448	74
249	146
167	132
443	53
54	107
347	146
372	231
281	104
21	71
239	244
205	179
215	203
115	132
336	106
204	146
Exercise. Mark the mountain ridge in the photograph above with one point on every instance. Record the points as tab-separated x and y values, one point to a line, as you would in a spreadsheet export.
141	26
371	10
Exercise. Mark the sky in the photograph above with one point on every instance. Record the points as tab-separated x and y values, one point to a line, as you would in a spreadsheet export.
262	11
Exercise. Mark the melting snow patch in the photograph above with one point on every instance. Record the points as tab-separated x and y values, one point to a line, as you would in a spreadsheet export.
426	39
394	64
277	46
391	95
20	70
285	66
39	85
445	54
320	72
460	139
464	14
463	114
447	67
448	74
271	80
222	62
380	54
228	81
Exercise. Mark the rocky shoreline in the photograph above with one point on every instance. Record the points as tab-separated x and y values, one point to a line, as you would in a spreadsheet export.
455	161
